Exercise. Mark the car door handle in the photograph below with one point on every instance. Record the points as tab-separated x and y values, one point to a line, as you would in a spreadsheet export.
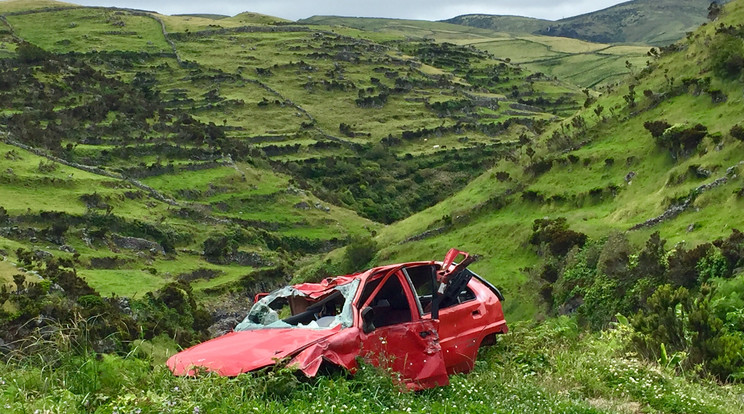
476	312
424	334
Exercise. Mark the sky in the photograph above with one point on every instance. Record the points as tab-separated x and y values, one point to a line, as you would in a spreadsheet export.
403	9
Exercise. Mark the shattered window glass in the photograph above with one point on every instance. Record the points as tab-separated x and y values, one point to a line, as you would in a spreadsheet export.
289	307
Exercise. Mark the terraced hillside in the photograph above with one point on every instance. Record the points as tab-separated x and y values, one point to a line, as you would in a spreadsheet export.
611	168
151	148
579	62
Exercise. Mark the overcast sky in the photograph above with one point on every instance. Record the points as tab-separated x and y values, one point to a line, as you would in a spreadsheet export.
403	9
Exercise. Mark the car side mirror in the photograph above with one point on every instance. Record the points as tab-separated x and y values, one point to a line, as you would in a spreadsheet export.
368	320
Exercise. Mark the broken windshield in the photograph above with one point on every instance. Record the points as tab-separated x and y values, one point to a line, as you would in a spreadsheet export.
290	307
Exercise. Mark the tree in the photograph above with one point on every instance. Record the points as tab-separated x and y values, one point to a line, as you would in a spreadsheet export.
598	111
19	281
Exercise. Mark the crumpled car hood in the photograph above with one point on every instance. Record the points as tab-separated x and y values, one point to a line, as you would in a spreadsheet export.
239	352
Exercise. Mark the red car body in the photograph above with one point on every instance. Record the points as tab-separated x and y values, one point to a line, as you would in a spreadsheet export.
424	320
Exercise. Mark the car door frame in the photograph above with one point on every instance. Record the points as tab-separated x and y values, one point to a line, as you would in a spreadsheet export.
410	348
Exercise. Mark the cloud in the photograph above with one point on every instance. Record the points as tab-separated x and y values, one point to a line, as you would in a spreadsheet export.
409	9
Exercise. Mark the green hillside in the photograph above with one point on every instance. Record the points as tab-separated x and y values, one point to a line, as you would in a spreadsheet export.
158	171
650	22
236	142
576	61
505	24
619	174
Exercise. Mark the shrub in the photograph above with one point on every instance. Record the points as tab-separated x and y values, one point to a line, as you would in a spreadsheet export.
359	252
30	53
727	55
683	265
651	261
614	259
556	235
578	274
656	128
737	131
550	273
732	248
712	266
500	175
532	196
662	322
681	140
601	302
539	167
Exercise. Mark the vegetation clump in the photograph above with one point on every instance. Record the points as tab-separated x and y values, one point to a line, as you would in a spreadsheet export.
679	300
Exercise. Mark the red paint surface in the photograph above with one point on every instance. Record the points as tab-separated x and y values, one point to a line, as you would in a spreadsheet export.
239	352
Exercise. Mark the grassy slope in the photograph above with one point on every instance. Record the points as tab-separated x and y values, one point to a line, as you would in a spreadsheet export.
54	191
643	21
652	22
244	192
501	235
506	24
262	196
9	6
580	62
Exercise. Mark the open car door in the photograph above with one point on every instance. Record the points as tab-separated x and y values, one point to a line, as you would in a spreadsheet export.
395	336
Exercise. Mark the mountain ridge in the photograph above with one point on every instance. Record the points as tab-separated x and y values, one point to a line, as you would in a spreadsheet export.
655	23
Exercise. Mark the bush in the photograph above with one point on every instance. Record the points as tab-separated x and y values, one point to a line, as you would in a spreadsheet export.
656	128
651	260
732	248
359	253
614	260
662	321
682	140
30	53
737	131
683	265
601	303
539	167
727	55
556	235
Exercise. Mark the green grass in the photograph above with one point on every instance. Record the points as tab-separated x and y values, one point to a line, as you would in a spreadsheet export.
582	63
84	30
132	283
533	369
9	6
659	23
8	270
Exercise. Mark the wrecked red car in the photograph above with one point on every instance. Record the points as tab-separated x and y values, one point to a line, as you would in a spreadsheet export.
424	320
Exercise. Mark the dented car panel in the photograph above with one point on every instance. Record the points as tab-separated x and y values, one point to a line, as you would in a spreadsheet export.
238	352
423	320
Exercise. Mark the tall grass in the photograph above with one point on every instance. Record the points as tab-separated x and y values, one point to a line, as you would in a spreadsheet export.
537	368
